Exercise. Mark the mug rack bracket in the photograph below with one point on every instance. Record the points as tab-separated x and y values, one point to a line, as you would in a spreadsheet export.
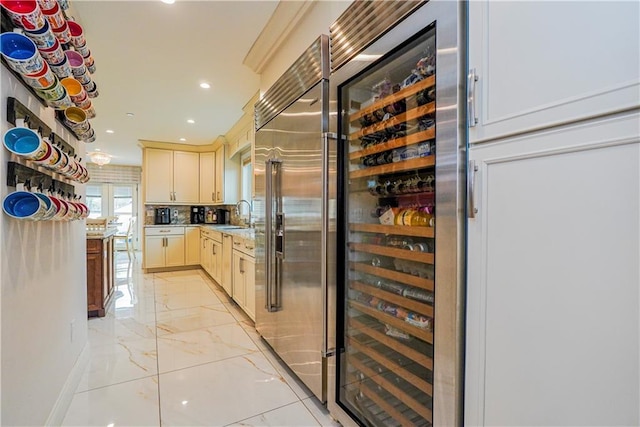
16	111
20	174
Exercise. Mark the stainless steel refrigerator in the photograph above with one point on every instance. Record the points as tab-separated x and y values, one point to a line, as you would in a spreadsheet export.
396	78
293	165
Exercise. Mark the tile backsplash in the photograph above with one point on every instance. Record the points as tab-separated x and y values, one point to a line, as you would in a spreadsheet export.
182	214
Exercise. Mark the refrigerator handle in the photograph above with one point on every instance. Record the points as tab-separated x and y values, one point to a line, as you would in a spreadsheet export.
472	168
472	78
271	167
324	271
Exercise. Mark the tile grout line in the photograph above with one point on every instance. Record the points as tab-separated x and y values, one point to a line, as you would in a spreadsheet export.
155	330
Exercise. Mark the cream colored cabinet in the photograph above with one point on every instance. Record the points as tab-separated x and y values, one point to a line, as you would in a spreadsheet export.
171	176
192	245
211	255
205	252
207	177
227	263
186	179
158	173
164	247
216	261
524	78
219	175
244	291
536	274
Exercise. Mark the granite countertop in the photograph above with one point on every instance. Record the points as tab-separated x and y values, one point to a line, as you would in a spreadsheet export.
247	233
101	234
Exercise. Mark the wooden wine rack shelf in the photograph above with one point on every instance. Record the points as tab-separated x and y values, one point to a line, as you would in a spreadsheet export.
403	141
383	404
395	97
394	321
398	370
408	279
409	401
409	304
412	114
424	257
401	230
407	165
392	343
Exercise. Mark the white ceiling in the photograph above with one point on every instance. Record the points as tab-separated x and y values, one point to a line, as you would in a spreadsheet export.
150	59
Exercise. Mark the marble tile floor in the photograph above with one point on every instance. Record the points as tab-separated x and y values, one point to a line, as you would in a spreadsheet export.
174	350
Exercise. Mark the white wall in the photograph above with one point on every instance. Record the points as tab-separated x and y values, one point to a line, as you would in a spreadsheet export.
43	289
316	22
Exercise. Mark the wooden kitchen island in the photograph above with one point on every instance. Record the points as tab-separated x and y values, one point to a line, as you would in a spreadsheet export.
100	271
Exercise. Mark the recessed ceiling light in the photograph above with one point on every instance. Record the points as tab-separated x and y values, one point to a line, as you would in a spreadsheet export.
109	131
183	139
97	149
130	114
191	121
205	85
169	1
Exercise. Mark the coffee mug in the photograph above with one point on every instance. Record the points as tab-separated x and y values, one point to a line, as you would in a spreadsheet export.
62	69
24	13
90	111
54	16
61	210
43	38
21	53
41	80
62	33
53	54
84	79
76	118
61	104
76	61
51	209
25	142
64	4
83	50
24	205
74	89
77	35
53	93
46	4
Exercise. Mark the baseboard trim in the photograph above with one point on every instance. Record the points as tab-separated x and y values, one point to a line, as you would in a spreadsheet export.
59	410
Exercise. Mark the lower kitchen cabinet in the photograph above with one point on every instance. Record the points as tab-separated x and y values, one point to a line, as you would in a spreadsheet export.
244	288
164	247
192	245
211	254
227	264
100	275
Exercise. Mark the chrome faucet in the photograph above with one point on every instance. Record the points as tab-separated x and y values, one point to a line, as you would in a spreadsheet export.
238	210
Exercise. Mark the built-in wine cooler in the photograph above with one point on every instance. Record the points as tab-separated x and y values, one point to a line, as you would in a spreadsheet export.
399	209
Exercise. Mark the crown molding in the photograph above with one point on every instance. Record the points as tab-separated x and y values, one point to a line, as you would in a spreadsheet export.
284	19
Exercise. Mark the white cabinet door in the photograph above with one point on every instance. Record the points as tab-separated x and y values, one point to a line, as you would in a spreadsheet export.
174	251
219	174
238	278
542	63
207	256
207	177
227	263
186	180
250	287
216	262
158	172
153	252
192	245
553	281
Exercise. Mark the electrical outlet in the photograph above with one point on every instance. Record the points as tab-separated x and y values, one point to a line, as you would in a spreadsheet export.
72	329
175	213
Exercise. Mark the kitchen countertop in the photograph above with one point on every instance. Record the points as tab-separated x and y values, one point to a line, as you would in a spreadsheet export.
95	234
247	233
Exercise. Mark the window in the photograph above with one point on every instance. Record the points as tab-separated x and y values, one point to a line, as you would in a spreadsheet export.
117	201
94	200
246	179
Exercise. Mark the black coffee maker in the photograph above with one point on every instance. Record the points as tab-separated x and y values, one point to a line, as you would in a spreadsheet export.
197	214
163	216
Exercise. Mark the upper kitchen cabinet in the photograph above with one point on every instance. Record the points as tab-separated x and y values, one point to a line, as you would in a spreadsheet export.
207	177
541	64
171	176
226	177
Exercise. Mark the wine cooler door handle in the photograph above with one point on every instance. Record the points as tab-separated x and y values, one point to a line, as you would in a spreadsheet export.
472	168
472	78
324	238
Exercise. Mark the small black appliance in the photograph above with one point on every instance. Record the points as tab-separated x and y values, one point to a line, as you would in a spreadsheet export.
222	216
163	216
197	215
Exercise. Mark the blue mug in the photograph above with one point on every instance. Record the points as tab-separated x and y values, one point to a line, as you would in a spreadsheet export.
25	142
24	205
43	38
21	53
